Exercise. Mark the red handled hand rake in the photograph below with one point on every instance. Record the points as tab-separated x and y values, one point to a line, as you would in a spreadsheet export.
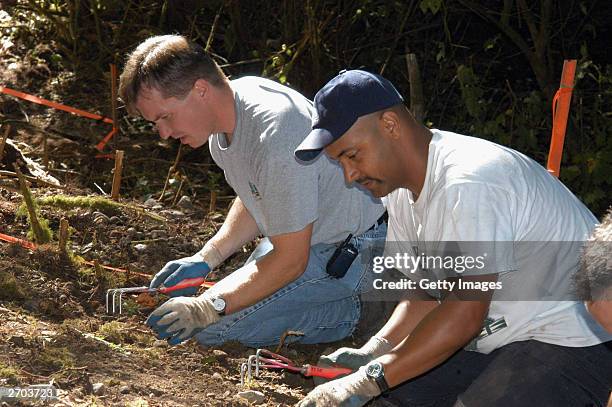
114	296
268	360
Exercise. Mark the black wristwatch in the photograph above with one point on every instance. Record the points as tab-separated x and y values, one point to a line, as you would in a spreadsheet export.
374	370
219	305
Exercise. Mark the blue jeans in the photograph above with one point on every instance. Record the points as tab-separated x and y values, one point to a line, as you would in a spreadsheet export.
323	308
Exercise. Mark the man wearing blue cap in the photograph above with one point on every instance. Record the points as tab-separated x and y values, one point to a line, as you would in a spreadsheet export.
499	327
252	126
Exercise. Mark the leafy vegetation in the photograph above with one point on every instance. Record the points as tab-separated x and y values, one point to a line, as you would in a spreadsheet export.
489	68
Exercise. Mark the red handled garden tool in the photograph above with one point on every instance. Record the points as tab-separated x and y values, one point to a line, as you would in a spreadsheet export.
265	359
114	296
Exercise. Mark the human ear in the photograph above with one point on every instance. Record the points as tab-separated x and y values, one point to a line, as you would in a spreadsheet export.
201	86
390	123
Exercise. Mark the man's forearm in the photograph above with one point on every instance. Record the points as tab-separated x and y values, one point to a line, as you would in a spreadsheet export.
446	329
238	229
258	280
405	318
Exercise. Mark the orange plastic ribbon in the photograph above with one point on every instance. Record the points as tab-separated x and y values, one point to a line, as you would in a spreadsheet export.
32	246
55	105
69	109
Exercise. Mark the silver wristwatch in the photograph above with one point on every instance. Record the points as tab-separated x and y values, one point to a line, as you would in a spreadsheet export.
374	370
219	305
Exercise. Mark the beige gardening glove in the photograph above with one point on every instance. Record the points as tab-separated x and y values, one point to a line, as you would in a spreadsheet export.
354	390
354	358
180	318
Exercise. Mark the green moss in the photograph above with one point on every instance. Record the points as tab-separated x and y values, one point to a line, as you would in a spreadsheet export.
56	357
121	333
138	403
97	203
10	374
44	235
113	331
47	233
9	287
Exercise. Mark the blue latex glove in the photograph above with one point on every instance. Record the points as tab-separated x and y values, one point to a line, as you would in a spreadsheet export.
179	319
176	271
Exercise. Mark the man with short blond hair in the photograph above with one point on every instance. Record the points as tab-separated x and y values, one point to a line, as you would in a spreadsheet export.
252	125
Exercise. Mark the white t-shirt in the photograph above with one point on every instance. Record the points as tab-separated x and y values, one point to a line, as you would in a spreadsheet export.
532	226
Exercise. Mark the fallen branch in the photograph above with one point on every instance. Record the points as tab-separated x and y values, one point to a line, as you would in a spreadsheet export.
3	140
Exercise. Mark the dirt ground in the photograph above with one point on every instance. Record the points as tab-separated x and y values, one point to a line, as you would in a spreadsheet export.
54	328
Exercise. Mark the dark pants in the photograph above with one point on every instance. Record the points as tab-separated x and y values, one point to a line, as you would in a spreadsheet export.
521	374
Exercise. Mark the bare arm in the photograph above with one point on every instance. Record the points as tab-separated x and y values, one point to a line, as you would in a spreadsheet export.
406	316
441	332
238	229
256	281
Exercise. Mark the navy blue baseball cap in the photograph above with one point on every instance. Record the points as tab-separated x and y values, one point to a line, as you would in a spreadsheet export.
340	103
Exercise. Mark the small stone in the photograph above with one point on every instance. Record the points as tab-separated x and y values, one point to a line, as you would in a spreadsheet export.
131	232
151	202
140	247
99	218
226	394
174	214
124	389
210	395
219	354
158	207
115	219
99	389
217	376
185	202
252	396
160	344
158	234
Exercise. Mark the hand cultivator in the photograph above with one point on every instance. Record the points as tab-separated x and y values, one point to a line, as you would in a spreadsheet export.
265	359
114	296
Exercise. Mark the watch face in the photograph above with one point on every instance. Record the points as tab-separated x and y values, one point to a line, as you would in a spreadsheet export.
219	304
374	369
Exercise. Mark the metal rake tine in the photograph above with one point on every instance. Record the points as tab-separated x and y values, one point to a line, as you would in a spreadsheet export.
110	297
257	355
243	369
250	365
107	293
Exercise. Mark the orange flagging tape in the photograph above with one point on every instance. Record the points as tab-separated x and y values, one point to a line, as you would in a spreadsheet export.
560	107
100	146
33	246
21	242
72	110
41	101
